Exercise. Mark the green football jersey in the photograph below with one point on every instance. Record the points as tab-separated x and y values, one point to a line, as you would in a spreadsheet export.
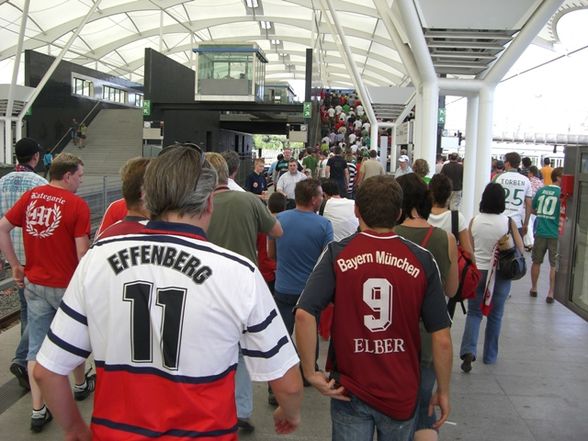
546	205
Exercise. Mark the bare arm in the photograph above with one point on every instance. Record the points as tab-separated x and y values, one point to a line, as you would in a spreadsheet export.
276	230
516	236
306	332
288	392
442	360
466	243
528	211
82	246
57	393
7	249
271	248
359	178
327	171
452	281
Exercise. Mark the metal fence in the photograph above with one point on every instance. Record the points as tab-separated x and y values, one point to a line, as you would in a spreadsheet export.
99	192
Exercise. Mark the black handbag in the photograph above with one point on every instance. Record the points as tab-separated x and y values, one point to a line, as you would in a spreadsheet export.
511	262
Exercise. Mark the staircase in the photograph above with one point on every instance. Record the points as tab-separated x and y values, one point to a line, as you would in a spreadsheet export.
113	137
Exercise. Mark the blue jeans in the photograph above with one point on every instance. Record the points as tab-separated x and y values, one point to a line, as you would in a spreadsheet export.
469	340
243	390
422	418
356	421
42	302
20	356
286	304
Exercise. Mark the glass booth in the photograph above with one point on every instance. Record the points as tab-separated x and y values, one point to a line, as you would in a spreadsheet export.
234	72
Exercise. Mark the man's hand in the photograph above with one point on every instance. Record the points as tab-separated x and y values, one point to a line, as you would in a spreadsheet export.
327	387
442	401
79	433
524	230
18	275
284	425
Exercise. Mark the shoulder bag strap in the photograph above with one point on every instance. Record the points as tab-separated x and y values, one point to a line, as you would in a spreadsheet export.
455	224
427	237
322	208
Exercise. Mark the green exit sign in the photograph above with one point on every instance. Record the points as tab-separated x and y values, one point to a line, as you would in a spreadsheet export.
307	109
146	107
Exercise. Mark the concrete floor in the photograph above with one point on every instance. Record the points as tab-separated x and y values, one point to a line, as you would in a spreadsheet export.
535	392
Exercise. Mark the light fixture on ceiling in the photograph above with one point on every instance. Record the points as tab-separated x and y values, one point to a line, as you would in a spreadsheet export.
276	42
252	3
265	24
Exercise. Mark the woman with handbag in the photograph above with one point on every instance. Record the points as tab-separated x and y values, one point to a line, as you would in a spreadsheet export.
487	229
413	225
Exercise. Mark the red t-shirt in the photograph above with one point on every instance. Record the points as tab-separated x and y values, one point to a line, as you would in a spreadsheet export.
115	212
51	218
266	266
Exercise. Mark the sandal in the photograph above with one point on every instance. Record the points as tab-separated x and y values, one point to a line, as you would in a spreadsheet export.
549	300
533	293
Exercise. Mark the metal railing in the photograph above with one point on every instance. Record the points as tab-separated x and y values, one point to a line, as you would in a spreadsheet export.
64	141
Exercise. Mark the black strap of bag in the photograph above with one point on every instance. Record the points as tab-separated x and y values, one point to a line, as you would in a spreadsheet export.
452	302
322	208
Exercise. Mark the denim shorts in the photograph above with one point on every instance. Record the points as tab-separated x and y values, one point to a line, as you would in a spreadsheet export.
42	303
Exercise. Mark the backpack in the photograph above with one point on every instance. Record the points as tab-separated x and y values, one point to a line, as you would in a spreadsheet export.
468	273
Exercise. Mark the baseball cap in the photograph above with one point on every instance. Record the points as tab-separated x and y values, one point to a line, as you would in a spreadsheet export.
26	147
403	158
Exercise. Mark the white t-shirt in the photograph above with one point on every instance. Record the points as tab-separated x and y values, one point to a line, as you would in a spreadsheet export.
287	183
234	186
486	230
443	221
331	112
516	188
340	211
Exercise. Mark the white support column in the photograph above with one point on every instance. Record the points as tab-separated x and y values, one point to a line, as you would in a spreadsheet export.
429	122
58	59
18	128
417	127
405	55
15	68
470	165
374	140
483	158
3	141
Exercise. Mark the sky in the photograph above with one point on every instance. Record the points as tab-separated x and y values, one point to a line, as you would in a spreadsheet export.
549	99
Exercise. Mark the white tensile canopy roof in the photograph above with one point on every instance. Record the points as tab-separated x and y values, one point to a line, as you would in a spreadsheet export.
114	38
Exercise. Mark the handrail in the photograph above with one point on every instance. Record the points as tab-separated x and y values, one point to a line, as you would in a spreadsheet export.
59	143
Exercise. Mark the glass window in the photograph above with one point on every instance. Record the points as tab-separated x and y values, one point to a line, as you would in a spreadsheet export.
580	274
83	87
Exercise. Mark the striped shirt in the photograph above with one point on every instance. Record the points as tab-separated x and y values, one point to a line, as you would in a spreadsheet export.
165	320
12	187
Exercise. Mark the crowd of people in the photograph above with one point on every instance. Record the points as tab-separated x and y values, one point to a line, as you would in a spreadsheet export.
194	287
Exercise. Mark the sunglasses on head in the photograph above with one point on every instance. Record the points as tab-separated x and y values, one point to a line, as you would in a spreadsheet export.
192	146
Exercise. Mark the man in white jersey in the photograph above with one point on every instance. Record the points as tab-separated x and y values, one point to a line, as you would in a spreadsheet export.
164	312
517	192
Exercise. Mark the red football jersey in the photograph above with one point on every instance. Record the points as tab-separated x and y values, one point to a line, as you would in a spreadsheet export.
381	285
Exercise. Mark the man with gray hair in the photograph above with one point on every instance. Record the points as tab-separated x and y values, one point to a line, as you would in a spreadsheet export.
164	312
238	217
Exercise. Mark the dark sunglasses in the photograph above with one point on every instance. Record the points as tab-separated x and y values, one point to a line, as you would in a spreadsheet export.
186	144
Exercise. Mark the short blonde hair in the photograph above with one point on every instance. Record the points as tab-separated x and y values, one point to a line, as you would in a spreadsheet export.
217	161
62	164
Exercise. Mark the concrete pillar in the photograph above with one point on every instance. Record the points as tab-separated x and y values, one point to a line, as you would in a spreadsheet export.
484	141
428	150
470	165
418	123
